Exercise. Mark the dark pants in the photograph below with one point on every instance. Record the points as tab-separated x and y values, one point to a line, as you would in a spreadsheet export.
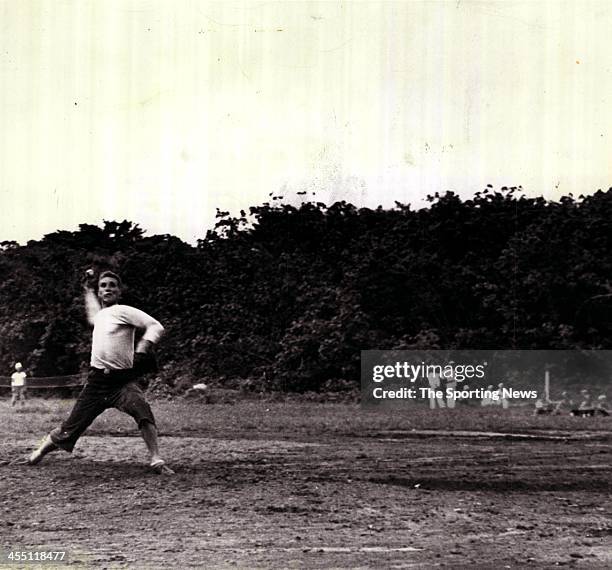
116	389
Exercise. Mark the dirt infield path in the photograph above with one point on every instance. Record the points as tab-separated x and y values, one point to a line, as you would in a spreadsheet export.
341	502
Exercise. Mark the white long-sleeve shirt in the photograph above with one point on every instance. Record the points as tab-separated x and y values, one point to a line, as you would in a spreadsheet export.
113	335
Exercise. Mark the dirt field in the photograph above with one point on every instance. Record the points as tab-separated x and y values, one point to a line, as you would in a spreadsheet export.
270	485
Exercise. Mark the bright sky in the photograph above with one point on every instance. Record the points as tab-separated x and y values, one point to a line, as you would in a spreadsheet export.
162	111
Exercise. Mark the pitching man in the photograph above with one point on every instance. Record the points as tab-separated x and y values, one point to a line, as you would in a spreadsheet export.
115	368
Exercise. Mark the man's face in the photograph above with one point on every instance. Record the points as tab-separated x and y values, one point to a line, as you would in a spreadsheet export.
108	291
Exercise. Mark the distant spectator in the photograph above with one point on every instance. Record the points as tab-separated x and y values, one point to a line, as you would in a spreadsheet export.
587	401
18	385
434	384
451	382
503	401
564	405
543	407
601	408
586	408
466	400
488	400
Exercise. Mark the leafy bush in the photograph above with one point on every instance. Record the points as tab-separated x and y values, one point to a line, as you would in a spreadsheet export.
286	297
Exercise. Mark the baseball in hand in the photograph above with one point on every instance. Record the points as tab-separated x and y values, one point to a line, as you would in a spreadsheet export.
89	273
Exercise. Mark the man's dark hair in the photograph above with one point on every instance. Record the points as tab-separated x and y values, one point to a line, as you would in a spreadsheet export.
110	274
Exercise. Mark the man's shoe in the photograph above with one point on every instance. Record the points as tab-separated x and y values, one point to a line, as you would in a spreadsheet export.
47	446
161	468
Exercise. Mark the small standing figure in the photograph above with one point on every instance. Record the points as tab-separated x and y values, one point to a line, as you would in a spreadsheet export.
602	408
487	399
587	400
451	386
503	401
434	387
18	385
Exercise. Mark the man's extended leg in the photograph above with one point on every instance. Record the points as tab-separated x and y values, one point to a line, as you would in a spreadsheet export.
46	446
88	406
149	434
132	402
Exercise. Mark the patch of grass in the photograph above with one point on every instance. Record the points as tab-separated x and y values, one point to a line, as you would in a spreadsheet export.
292	419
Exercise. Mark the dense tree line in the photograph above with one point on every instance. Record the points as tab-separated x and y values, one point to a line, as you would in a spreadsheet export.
286	297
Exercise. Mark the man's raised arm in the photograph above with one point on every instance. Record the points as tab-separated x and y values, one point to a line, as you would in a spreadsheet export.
92	305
